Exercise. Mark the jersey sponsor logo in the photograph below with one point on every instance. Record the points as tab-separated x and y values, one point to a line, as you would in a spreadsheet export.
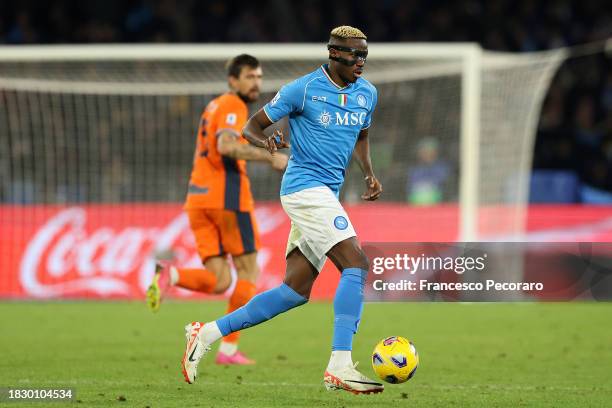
275	99
350	118
325	118
340	223
319	98
361	100
231	119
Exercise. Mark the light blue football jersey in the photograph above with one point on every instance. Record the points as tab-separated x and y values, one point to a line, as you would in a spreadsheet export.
325	121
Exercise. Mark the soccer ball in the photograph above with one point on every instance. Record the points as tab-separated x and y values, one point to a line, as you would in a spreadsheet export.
395	360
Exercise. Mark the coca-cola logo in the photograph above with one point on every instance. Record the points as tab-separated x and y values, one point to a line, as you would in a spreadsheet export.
66	257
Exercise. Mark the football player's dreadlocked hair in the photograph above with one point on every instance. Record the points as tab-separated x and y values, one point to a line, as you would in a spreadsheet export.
344	32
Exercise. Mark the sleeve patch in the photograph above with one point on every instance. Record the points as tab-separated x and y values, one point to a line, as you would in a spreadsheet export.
231	119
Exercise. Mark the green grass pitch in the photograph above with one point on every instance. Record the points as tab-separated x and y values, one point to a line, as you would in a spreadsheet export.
472	355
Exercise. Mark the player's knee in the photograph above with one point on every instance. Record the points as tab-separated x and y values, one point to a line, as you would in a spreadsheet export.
247	267
220	289
364	261
348	254
250	275
301	288
357	259
306	294
223	283
220	267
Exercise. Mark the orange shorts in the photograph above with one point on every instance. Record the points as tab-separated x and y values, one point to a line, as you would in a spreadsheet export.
219	232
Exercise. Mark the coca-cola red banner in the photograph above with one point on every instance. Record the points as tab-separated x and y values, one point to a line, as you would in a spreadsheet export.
107	251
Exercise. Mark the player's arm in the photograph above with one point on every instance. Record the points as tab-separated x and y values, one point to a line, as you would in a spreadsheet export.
254	132
289	99
362	155
229	146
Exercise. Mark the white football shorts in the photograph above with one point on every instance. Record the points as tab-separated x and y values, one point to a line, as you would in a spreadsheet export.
318	222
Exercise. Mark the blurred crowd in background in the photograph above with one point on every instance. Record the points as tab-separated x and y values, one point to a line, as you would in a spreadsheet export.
574	143
513	25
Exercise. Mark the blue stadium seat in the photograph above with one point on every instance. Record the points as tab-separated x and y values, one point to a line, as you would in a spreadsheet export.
554	186
591	195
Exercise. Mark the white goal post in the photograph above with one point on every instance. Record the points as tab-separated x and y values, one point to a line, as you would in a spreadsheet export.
481	107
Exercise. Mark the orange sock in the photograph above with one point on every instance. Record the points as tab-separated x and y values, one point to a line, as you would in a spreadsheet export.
200	280
243	292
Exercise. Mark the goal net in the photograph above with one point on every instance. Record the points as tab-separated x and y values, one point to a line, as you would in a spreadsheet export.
112	126
108	124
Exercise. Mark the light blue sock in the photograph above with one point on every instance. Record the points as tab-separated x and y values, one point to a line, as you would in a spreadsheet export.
260	308
348	305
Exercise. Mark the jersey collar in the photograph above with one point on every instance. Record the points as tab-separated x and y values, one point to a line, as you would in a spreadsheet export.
236	96
331	80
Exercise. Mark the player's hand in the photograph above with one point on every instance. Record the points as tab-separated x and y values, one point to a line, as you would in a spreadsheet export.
275	141
374	188
278	161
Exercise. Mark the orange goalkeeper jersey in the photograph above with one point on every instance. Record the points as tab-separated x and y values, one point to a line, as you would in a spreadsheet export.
217	181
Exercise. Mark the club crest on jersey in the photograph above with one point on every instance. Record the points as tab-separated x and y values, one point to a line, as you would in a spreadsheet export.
361	100
325	118
340	222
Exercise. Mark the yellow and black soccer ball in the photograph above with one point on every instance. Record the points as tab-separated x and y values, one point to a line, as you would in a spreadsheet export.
395	359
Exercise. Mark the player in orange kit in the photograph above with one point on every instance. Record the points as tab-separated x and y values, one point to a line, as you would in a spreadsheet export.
220	204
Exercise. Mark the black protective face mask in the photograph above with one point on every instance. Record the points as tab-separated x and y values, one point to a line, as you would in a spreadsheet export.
357	54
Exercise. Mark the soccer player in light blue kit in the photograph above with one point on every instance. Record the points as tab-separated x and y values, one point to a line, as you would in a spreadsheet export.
330	111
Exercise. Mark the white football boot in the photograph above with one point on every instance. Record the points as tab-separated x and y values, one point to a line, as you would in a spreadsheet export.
349	379
194	351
